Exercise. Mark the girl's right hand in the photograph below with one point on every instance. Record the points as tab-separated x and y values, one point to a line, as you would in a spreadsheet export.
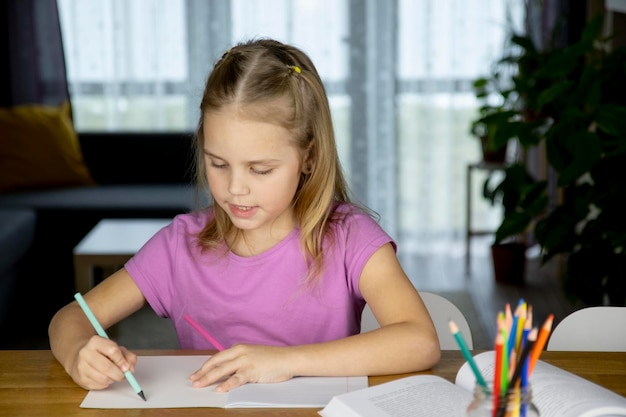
100	362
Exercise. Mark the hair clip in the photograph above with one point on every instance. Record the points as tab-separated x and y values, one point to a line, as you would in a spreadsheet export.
295	68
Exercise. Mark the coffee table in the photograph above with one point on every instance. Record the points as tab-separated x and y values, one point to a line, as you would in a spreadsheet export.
109	245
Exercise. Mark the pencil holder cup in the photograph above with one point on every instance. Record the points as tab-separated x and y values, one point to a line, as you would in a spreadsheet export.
515	402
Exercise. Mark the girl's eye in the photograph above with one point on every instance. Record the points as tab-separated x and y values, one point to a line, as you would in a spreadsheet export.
263	172
216	165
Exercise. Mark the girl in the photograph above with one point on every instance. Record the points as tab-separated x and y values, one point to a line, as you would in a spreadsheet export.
279	268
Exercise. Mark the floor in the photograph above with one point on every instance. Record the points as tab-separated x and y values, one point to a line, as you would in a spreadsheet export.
541	289
435	273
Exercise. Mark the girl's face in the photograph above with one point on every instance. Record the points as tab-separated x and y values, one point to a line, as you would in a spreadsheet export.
253	169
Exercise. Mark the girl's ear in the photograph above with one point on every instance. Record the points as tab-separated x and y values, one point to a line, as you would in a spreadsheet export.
308	162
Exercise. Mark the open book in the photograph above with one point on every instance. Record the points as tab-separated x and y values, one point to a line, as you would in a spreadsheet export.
165	382
556	393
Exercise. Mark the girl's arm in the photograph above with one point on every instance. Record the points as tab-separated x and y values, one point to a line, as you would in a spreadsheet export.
405	342
92	361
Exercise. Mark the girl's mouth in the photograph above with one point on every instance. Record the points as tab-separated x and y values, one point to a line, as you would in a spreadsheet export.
242	211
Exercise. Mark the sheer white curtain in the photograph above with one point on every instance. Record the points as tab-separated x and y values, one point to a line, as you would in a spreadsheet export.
398	74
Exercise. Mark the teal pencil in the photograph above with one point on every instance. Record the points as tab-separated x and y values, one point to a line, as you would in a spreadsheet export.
468	356
96	325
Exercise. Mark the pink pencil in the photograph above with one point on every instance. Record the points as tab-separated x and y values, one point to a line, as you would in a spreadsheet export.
204	333
508	318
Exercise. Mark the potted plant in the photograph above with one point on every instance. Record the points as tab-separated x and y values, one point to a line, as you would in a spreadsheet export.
499	107
523	199
570	104
503	119
493	141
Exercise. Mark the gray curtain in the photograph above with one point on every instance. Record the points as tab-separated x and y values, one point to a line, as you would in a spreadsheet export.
31	49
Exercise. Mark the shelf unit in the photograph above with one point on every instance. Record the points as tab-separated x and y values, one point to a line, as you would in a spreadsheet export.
469	232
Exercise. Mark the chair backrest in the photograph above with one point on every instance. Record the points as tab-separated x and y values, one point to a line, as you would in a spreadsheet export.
595	329
441	311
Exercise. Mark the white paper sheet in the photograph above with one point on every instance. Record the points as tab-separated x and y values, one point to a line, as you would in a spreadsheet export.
165	383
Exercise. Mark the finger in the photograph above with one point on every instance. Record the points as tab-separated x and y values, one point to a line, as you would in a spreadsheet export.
92	371
109	359
210	364
208	375
95	378
116	355
130	357
231	383
202	379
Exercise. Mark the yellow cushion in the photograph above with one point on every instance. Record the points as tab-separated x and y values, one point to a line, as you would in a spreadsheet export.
39	149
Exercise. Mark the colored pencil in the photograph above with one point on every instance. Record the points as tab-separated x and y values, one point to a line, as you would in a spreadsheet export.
100	330
508	318
532	337
468	356
521	321
497	375
513	333
203	332
504	372
525	332
542	338
512	363
524	383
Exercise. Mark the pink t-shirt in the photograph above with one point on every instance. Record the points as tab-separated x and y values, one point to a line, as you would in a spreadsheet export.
260	299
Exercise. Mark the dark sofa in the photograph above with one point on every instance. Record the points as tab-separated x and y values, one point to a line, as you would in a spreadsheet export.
137	176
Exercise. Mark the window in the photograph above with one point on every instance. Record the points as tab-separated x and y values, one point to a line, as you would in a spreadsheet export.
398	74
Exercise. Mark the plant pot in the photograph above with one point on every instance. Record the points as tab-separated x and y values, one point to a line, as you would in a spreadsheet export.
496	156
509	262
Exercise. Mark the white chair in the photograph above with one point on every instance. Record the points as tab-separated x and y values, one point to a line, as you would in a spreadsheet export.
595	329
441	311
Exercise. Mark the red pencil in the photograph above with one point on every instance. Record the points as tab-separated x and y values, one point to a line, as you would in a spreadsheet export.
542	338
497	376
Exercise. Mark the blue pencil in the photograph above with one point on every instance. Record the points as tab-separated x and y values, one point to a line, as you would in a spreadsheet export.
514	331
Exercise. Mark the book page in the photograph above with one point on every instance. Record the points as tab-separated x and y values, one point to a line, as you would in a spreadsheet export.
300	392
556	392
420	395
165	383
485	361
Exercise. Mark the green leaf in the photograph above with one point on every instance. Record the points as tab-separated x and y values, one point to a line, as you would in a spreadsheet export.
586	150
555	232
480	82
512	225
611	119
525	42
592	29
548	95
535	199
562	62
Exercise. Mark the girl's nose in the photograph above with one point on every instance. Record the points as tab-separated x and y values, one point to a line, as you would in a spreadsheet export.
237	184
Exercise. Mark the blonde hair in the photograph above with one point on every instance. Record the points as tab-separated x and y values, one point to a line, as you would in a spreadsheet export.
278	83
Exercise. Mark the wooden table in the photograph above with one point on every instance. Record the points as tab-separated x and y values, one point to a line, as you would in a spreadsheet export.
32	383
110	244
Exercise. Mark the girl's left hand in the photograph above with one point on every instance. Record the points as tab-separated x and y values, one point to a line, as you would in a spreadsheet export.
241	364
